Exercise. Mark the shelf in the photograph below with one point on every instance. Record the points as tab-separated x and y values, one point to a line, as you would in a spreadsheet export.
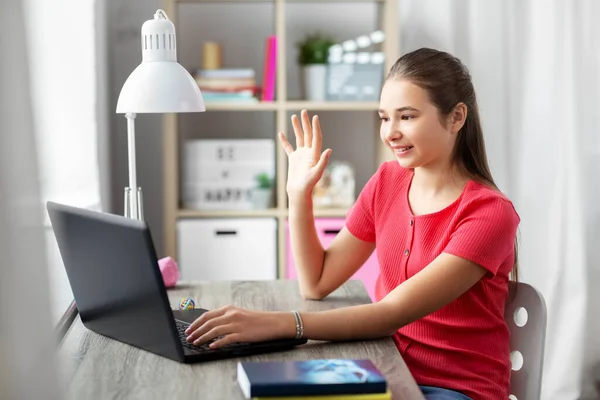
274	114
332	105
295	106
231	106
274	1
334	1
224	1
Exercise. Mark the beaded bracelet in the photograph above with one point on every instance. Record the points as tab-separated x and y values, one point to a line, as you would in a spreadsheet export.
299	325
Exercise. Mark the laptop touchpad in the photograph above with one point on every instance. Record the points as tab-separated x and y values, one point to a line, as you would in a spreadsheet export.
188	315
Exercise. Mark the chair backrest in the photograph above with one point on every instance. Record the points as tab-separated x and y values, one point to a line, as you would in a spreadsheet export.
525	315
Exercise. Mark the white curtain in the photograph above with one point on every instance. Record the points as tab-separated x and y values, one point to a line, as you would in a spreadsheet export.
61	41
536	69
26	340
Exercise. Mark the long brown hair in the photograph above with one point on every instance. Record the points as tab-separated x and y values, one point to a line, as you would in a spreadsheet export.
448	82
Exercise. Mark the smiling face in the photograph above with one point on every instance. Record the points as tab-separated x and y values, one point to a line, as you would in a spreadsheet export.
411	126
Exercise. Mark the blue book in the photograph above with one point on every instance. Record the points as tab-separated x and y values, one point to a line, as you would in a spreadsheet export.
309	378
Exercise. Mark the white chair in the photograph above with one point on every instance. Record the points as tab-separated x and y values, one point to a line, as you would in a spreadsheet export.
525	315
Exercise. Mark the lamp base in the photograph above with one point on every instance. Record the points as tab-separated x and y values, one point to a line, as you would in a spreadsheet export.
128	204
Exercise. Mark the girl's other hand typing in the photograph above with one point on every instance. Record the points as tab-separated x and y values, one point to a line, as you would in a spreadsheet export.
231	324
305	164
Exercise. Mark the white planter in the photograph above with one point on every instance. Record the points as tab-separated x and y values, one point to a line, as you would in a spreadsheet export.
261	198
313	79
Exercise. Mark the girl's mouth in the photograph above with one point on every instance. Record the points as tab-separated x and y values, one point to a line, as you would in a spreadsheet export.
402	150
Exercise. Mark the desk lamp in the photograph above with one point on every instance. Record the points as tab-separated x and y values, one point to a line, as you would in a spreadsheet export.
158	85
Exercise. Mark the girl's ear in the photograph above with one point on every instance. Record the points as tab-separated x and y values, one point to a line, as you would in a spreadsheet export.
458	116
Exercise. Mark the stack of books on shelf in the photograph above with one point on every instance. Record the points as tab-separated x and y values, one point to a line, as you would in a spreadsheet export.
331	379
227	85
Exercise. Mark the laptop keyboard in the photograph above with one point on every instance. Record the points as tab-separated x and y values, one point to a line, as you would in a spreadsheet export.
181	327
203	348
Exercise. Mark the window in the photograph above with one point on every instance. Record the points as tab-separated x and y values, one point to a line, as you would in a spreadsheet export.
66	62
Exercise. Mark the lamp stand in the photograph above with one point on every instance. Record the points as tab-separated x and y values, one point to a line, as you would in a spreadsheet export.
133	205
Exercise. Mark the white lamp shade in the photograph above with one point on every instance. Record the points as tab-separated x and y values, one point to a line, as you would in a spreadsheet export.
160	87
159	84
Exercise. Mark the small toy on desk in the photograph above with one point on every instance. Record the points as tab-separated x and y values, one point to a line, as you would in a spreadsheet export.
169	271
186	303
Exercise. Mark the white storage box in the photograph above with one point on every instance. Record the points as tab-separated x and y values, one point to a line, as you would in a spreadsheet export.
227	172
230	150
218	174
216	196
227	249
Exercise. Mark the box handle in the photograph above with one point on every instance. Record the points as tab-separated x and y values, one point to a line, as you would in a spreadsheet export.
225	233
331	231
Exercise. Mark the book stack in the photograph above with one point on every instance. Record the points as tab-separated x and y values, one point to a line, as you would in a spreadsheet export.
227	85
331	379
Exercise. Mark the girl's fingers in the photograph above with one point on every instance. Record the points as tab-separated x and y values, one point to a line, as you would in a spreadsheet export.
308	134
220	330
205	317
231	338
323	161
317	138
298	131
208	326
285	144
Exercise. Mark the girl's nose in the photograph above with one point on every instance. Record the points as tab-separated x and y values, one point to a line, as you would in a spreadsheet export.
392	133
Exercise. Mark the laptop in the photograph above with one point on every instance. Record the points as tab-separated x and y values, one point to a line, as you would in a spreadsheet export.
113	271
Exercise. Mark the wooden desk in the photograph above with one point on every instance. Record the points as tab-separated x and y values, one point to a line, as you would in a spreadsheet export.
96	367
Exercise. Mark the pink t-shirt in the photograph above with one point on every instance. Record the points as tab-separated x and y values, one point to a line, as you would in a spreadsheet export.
464	346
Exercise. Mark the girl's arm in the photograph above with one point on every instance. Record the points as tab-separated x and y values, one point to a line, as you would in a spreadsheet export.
322	271
486	237
438	284
319	271
442	281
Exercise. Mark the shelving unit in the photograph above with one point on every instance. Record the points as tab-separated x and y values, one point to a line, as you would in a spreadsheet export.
388	23
296	105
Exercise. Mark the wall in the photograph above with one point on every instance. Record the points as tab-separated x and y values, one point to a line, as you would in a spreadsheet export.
351	135
125	19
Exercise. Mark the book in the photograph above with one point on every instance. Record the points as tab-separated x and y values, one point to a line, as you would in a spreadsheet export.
222	83
231	100
368	396
228	95
309	378
269	69
226	73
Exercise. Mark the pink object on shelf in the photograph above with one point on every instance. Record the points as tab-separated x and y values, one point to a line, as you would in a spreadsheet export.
327	229
269	69
169	271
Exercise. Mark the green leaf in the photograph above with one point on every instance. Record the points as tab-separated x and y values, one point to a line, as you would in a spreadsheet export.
264	181
314	49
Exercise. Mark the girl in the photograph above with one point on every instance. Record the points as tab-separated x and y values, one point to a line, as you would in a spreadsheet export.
445	239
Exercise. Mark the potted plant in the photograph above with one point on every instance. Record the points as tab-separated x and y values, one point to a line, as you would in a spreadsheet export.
262	194
312	57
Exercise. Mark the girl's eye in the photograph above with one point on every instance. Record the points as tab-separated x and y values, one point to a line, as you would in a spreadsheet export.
407	117
384	119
